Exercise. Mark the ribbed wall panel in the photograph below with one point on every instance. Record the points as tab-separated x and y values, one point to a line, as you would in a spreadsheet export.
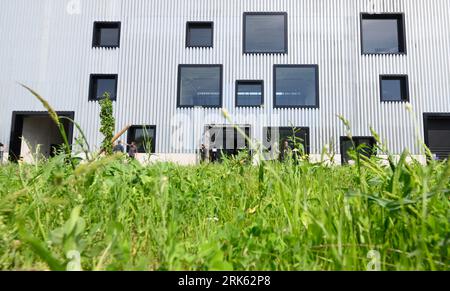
45	47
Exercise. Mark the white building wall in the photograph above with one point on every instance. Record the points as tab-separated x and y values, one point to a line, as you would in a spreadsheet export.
47	45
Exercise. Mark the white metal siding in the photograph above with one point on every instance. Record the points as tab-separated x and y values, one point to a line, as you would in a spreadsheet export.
49	49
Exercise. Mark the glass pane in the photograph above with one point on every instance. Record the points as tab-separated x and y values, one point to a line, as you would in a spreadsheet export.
392	90
241	140
200	36
109	36
229	138
106	85
216	137
380	36
347	147
365	146
275	137
249	94
439	139
265	33
144	139
200	86
296	86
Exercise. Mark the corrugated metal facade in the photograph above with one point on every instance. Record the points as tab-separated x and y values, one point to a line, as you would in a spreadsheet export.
47	45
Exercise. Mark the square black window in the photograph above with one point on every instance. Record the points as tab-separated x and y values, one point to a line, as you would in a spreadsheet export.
437	134
394	88
106	34
249	93
200	85
296	86
265	32
362	145
101	84
199	34
382	34
144	137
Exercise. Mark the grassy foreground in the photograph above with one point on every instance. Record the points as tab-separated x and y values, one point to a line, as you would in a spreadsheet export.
124	216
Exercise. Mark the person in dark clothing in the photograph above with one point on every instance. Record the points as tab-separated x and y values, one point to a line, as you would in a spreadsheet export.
214	155
203	153
118	148
2	149
286	151
132	151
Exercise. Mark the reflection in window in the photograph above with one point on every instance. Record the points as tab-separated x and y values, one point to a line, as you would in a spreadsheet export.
265	33
200	85
144	137
249	93
382	34
296	86
394	88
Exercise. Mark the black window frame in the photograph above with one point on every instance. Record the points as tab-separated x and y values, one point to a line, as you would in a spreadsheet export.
93	88
244	33
404	88
357	144
131	136
317	85
426	120
199	66
224	151
199	23
400	17
302	129
105	24
249	82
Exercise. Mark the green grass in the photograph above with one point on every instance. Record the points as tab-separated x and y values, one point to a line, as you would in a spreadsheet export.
232	216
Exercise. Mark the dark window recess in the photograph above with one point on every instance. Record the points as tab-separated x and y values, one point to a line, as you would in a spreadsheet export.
101	84
296	86
226	141
144	137
200	85
275	137
249	93
265	32
106	34
199	34
437	134
394	88
362	145
382	34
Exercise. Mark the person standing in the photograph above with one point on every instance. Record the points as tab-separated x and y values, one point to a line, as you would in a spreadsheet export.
2	149
203	153
286	151
214	155
118	148
132	151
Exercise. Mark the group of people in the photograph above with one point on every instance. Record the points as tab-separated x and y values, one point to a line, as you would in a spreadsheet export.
285	153
120	148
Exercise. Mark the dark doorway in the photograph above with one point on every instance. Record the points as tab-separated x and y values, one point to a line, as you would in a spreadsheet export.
274	139
225	141
437	134
33	131
361	145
